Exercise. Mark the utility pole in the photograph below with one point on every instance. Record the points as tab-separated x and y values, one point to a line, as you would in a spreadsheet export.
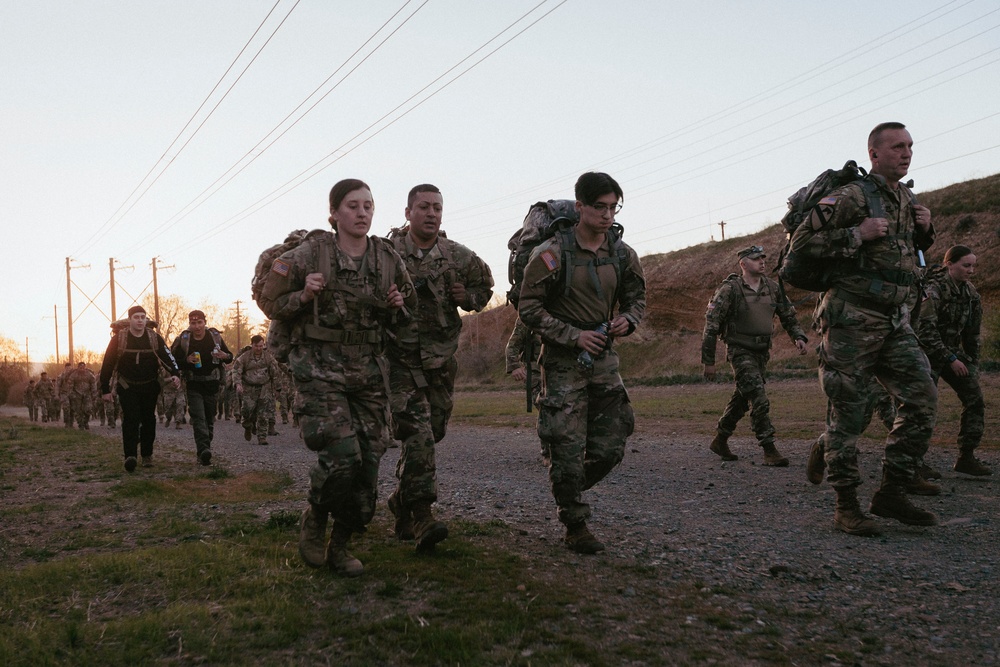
55	316
239	340
722	225
69	303
111	267
156	293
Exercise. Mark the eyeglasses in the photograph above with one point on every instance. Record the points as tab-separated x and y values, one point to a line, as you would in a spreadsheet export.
603	208
756	249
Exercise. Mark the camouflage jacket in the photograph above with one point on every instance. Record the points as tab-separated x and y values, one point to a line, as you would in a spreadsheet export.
254	370
354	297
432	339
877	273
950	321
556	310
45	390
29	395
83	382
729	305
63	383
515	346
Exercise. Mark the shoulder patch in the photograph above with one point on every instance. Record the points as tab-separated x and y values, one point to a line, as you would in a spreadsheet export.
280	267
550	260
827	201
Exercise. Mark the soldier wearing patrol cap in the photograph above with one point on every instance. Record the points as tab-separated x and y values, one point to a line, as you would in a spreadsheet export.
742	312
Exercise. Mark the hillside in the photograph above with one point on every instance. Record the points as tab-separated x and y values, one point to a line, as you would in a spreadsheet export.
680	284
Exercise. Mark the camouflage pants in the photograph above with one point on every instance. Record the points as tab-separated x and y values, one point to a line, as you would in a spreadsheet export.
749	369
880	403
80	407
345	421
55	405
584	418
112	409
970	433
253	403
420	417
67	410
858	344
32	410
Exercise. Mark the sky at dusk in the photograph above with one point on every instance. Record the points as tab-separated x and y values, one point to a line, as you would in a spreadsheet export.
200	133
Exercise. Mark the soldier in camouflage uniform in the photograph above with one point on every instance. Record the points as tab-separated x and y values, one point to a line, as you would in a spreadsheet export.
255	373
63	391
584	414
44	393
517	365
171	404
865	323
447	276
81	386
286	393
949	331
30	401
743	311
343	293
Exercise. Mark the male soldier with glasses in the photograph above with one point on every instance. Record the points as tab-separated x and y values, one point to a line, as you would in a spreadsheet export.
742	312
582	288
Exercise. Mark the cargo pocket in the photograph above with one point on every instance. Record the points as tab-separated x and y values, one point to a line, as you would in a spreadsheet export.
551	417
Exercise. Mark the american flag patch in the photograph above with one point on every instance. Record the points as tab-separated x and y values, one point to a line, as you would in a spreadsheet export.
828	201
280	267
549	258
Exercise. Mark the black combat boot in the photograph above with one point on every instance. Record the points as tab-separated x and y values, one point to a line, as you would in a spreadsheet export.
891	502
848	516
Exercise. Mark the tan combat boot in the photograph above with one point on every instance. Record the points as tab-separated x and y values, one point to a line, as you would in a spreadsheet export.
581	540
918	486
927	472
404	518
428	530
848	516
772	457
720	446
312	537
816	465
891	502
969	465
337	558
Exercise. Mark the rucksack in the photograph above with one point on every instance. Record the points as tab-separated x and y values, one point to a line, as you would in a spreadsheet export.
185	343
119	329
279	332
812	273
543	220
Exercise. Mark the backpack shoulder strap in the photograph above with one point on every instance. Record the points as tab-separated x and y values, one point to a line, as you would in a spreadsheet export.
873	197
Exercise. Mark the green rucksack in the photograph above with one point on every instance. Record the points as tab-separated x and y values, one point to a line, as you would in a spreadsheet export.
812	273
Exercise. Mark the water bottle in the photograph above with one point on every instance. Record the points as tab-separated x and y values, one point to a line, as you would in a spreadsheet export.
585	359
197	359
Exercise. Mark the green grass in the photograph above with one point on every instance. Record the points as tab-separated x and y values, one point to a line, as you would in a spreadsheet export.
183	568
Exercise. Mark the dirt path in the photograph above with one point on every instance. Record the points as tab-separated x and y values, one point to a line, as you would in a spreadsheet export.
755	538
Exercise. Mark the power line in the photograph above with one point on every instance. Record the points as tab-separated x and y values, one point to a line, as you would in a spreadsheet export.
316	169
205	194
115	218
